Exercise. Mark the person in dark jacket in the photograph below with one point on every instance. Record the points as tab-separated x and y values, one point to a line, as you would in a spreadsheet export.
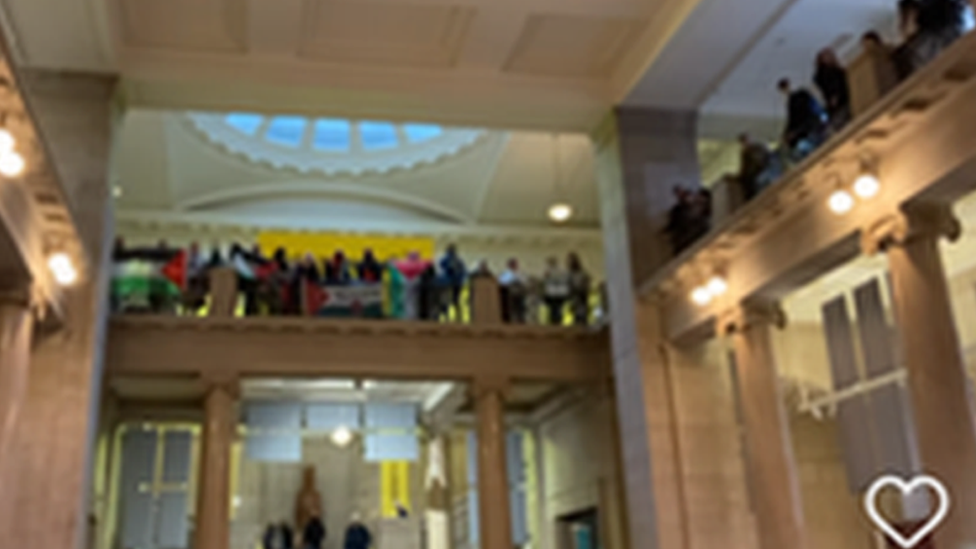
314	534
270	538
287	535
754	159
831	79
357	536
805	119
369	269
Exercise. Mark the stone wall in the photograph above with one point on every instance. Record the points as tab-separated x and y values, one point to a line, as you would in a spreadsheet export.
578	470
834	517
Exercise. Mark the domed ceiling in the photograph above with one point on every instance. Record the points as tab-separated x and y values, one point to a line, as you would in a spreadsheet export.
332	146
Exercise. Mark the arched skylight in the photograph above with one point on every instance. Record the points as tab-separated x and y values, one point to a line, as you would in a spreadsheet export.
331	134
331	145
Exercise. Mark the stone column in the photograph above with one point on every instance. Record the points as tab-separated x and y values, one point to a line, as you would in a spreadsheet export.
640	155
51	477
493	500
16	329
212	520
770	462
937	381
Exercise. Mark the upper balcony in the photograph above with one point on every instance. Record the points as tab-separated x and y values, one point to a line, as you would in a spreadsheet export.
914	139
389	321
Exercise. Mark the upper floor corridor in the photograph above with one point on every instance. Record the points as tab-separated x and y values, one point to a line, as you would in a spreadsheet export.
912	144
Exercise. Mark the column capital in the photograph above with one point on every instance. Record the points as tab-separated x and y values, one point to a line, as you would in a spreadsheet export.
746	316
227	383
493	385
27	296
913	221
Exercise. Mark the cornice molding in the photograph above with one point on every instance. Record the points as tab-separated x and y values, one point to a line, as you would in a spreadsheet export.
350	327
208	225
406	157
744	317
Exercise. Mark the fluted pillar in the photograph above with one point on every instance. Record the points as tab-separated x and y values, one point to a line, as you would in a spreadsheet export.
493	498
770	461
213	487
937	381
16	329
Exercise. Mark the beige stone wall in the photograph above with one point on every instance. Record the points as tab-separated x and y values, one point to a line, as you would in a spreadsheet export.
834	518
578	469
711	470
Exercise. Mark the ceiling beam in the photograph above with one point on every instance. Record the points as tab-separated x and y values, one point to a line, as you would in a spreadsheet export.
272	27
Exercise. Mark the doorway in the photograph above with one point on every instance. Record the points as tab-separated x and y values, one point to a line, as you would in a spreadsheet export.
580	530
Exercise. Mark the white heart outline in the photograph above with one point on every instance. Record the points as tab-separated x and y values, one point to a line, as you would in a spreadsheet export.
907	487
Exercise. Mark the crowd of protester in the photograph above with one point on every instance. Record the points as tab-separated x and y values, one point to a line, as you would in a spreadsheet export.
927	28
168	280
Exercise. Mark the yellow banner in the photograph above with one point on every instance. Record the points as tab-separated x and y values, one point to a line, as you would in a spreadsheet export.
324	245
394	487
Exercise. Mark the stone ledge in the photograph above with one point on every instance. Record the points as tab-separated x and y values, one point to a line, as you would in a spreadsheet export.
351	327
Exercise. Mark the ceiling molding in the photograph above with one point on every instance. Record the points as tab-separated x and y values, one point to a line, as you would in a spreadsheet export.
278	189
209	223
255	149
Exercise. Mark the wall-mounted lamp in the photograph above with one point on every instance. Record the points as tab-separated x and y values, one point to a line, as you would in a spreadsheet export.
62	268
704	294
866	186
840	202
7	141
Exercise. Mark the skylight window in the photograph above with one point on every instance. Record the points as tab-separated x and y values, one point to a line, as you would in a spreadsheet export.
246	123
332	135
378	135
287	130
418	133
332	145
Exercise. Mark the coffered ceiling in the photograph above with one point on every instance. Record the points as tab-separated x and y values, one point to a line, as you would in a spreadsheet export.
515	63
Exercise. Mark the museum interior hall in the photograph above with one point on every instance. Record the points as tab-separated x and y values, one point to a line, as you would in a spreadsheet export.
487	274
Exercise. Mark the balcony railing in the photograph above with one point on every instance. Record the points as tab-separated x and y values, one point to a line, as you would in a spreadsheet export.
158	281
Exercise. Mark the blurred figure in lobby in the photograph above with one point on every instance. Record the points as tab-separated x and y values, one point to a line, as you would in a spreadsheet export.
453	274
805	120
831	80
270	539
555	290
313	535
357	535
287	535
579	290
754	158
512	289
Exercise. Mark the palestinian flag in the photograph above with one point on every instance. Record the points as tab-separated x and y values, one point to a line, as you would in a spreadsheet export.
148	280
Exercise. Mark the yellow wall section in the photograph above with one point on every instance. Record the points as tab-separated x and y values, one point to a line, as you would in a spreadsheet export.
324	244
394	487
